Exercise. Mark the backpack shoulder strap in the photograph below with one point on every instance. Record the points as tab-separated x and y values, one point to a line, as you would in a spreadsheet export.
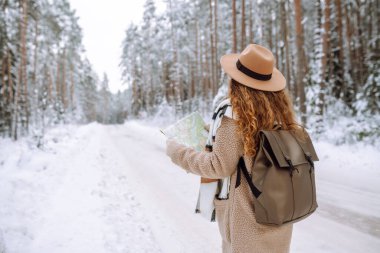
241	167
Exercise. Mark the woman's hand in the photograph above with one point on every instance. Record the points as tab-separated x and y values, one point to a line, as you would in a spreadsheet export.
170	147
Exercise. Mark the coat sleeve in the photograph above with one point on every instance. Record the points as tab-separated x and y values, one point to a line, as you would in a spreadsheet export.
220	163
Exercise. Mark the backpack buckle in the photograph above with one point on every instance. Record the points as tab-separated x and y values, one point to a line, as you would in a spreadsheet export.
291	166
310	160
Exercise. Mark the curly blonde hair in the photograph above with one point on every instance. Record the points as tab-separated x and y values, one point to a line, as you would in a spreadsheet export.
259	110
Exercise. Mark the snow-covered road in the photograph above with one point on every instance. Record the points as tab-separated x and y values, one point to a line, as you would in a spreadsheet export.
112	189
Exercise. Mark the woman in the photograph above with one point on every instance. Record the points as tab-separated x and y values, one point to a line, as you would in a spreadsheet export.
259	101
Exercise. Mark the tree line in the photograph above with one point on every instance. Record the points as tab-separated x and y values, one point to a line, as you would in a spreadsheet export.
45	77
328	50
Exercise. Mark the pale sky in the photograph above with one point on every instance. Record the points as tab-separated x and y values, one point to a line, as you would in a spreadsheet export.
104	23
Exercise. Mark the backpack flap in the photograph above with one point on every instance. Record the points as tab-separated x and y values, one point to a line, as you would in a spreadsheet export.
285	146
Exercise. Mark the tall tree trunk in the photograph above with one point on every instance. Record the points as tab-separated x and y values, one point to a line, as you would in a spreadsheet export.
34	85
286	45
250	24
4	98
176	91
212	47
22	89
360	48
234	36
58	81
63	84
300	60
339	89
72	85
10	90
243	35
326	42
348	37
217	69
3	74
10	79
50	84
270	33
192	81
377	29
207	69
197	57
35	53
317	69
325	55
276	39
25	95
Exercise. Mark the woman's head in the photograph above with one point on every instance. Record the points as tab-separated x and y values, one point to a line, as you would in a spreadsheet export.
257	109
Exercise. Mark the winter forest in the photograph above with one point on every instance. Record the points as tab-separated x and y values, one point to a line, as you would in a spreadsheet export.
328	51
73	152
46	78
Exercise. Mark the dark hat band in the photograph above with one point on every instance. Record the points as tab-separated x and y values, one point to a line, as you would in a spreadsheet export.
251	73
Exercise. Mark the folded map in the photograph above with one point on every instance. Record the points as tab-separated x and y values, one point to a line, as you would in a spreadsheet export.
189	131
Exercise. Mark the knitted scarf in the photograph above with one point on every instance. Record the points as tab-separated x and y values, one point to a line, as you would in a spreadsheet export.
208	191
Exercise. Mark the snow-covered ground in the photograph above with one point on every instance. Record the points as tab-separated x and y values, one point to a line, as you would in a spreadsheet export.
97	188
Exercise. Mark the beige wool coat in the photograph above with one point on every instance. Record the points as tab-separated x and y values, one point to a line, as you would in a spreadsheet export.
235	216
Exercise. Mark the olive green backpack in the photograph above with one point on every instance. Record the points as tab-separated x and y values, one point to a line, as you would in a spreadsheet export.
283	179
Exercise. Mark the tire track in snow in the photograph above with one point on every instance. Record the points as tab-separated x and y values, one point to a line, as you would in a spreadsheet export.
364	223
93	209
340	203
167	194
128	229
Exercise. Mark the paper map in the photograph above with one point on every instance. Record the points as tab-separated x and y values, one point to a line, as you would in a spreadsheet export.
189	131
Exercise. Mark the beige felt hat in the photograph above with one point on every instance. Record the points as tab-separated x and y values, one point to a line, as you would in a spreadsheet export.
254	68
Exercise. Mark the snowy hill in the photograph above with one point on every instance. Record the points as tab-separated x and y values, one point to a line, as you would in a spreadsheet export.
99	188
